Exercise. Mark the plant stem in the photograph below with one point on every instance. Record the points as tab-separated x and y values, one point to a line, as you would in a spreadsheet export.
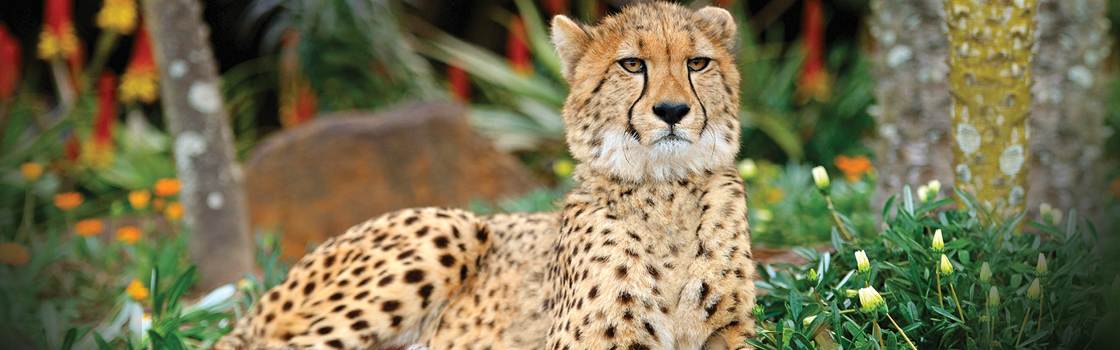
1040	311
835	216
879	332
901	332
939	297
1020	336
28	216
957	301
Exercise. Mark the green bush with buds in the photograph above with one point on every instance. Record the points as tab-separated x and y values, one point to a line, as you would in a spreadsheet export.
935	277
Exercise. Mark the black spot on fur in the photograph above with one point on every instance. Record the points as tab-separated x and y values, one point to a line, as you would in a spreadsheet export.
447	260
414	275
390	306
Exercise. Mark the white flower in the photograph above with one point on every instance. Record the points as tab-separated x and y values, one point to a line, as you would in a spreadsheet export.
861	261
985	272
923	193
946	266
1035	290
1041	268
935	186
938	242
820	177
993	297
870	299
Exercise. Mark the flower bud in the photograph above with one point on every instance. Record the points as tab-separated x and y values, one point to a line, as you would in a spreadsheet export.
813	276
852	293
1042	269
923	193
820	177
938	241
993	297
935	187
1035	290
946	266
862	263
985	272
870	299
748	169
808	320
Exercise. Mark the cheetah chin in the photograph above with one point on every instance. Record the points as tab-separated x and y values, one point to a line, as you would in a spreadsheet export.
650	251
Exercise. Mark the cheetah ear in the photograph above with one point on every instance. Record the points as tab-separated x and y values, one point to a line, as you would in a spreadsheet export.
569	39
723	26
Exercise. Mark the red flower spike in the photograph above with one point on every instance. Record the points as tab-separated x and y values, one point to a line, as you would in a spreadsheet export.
9	63
556	7
460	83
142	50
813	81
517	48
106	110
58	15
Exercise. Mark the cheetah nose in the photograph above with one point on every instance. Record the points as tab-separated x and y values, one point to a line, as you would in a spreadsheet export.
671	113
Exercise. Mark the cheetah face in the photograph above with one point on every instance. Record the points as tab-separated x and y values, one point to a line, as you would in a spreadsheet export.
654	91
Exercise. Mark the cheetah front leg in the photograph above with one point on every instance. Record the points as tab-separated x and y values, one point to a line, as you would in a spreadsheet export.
379	284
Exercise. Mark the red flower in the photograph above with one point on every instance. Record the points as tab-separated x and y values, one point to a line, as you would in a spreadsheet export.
460	83
517	48
9	63
106	109
58	39
298	101
140	79
814	81
556	7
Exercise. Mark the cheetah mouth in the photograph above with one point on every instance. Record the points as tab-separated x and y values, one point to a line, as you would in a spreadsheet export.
671	135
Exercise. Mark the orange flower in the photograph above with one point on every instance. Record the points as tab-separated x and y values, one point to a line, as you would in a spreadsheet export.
853	167
139	199
128	234
13	254
174	211
31	171
774	195
158	204
137	291
167	187
67	200
89	227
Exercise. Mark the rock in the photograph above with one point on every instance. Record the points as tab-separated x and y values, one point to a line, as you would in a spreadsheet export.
316	180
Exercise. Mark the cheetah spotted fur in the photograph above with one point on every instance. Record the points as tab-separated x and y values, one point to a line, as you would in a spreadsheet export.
650	251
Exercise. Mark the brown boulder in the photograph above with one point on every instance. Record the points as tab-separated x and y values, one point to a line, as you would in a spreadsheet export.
315	180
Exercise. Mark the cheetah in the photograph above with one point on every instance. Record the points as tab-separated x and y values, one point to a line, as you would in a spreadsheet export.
651	250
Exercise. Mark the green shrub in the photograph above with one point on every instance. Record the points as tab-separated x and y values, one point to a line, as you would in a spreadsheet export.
816	305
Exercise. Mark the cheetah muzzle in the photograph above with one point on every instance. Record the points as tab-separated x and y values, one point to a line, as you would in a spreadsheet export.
650	251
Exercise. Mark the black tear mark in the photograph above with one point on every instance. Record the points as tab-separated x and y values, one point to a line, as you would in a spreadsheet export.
630	113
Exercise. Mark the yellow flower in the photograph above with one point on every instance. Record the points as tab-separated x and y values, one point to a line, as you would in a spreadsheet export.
993	297
67	200
118	16
31	171
946	266
167	187
139	84
89	227
137	291
1041	268
13	254
563	167
128	234
139	199
244	284
174	211
938	242
1035	290
985	272
870	299
748	169
820	177
861	261
774	195
61	46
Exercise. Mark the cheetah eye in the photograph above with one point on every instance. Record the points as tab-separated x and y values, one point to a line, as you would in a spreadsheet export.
697	64
632	65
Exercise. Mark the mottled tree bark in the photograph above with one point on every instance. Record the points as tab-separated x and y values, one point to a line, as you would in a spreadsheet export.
990	43
212	193
913	95
1067	111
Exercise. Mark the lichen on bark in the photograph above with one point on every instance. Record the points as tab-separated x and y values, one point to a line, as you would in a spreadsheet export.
990	46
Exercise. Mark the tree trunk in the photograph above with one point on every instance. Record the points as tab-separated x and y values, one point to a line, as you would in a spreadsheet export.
989	72
1068	110
212	193
913	95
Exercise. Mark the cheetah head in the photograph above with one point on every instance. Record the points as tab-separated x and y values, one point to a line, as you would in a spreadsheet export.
654	91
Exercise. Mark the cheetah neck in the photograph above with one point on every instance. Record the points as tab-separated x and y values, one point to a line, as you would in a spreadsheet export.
669	204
